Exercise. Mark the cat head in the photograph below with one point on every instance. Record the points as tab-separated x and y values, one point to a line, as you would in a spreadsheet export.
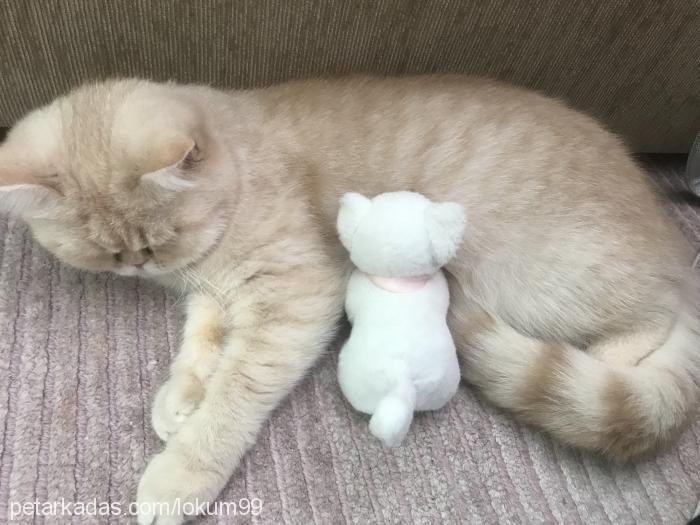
119	176
399	234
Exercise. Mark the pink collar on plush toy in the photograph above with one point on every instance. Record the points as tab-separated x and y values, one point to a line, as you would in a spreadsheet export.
399	284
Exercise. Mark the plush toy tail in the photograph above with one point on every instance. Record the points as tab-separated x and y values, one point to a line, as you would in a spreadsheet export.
394	413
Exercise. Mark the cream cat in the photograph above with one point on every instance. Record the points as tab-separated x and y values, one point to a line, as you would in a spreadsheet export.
573	304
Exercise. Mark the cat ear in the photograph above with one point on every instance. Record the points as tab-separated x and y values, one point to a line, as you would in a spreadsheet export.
353	208
21	191
445	223
170	162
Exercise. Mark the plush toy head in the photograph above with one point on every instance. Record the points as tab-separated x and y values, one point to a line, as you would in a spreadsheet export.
401	234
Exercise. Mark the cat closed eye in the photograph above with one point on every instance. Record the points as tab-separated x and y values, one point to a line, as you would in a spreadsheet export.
50	180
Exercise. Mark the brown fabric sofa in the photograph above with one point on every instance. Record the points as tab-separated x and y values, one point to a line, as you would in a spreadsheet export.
633	63
81	355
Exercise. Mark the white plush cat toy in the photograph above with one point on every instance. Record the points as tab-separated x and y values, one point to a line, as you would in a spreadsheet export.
400	356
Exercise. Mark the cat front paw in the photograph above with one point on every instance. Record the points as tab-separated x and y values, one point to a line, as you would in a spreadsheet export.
179	396
172	490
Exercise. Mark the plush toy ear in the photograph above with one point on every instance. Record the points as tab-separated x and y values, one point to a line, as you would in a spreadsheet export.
353	207
21	191
168	162
445	223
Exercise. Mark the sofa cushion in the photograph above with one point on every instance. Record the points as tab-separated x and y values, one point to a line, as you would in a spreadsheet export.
633	64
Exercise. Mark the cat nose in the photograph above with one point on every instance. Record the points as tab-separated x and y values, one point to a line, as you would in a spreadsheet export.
134	258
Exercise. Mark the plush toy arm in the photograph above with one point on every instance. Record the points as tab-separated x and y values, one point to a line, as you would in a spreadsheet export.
394	413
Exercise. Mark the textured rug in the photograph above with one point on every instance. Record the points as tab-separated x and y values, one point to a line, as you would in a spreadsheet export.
81	357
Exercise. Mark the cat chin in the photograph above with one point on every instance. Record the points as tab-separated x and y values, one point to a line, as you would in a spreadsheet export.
146	271
129	271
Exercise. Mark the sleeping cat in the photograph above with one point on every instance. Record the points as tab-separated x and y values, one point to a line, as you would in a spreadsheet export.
573	304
